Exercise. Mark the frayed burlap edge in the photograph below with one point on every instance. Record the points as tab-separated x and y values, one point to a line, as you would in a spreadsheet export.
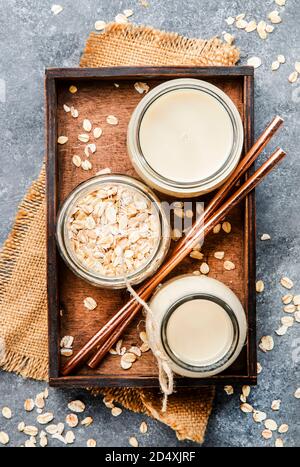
10	360
127	44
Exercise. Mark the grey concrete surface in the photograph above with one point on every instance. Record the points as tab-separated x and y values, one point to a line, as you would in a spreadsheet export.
31	39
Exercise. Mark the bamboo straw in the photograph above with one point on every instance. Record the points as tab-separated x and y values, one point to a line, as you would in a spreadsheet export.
111	331
187	247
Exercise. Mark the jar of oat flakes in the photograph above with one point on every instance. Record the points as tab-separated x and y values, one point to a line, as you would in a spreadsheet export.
112	228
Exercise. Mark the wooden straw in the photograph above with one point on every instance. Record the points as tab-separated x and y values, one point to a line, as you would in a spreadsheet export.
113	329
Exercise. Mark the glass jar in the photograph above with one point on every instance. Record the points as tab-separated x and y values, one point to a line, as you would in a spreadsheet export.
153	261
200	325
185	137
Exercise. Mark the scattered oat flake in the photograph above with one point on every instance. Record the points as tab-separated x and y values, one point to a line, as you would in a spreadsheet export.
129	357
72	420
135	350
246	390
261	30
265	237
67	342
289	308
286	282
270	424
297	316
76	406
229	390
66	108
281	59
90	303
229	265
266	343
297	67
116	411
269	28
112	120
66	352
86	165
226	226
125	365
280	2
128	12
141	87
219	254
144	347
74	112
6	412
286	299
100	25
281	331
133	442
260	286
293	77
259	416
259	368
275	65
279	443
29	405
196	254
288	321
4	438
229	38
43	441
62	139
143	336
254	61
70	437
143	428
204	268
91	443
246	408
297	393
30	430
284	428
84	138
251	26
76	160
267	434
40	401
56	9
217	229
121	19
241	24
45	418
274	17
21	426
87	421
73	89
87	125
97	132
230	20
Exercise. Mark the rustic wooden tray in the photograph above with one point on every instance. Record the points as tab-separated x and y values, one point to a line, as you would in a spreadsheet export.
96	98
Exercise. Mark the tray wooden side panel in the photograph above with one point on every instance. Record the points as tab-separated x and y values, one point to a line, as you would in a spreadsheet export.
97	98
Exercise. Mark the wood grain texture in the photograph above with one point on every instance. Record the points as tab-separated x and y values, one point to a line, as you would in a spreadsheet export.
97	97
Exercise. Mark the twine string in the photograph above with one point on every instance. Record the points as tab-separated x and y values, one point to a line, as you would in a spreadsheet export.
165	373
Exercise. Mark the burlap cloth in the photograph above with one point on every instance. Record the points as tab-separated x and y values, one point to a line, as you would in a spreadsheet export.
23	298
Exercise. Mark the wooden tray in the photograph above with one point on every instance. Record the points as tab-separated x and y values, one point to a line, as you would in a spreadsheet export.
98	97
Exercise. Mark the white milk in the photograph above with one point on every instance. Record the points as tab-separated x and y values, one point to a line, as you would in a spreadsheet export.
186	135
199	332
